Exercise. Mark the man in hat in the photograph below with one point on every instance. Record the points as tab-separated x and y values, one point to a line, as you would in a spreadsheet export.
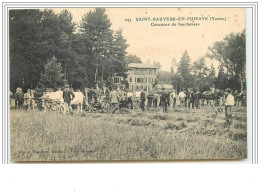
18	96
68	95
229	103
105	91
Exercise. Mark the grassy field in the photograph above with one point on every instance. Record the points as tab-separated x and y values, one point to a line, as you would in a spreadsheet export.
127	135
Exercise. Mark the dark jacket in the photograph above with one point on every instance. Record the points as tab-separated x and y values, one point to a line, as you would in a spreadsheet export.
18	96
142	96
66	95
191	96
150	97
164	97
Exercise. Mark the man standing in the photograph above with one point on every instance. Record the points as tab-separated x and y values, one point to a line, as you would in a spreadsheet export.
182	97
191	98
229	103
164	100
137	97
130	95
122	97
197	99
68	95
155	99
150	100
173	99
27	100
18	96
142	99
114	100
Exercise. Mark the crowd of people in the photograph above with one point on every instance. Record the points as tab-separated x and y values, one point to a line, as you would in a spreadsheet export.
120	97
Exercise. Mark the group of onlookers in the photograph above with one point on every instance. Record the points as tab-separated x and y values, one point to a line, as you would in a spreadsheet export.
124	98
118	98
23	100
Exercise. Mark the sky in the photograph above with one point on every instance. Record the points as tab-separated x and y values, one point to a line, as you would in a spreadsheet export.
163	43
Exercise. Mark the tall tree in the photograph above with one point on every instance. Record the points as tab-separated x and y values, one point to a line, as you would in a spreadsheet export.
174	65
231	54
184	69
118	57
35	36
25	33
177	81
53	76
95	26
133	59
200	72
210	78
221	81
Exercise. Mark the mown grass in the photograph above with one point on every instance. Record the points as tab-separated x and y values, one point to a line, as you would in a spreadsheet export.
131	135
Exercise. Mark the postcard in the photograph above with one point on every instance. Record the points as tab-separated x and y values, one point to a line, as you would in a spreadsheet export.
131	84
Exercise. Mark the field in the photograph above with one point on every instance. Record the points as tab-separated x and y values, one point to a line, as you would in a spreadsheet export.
127	135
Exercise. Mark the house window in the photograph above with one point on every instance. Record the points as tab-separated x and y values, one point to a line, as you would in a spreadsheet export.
141	80
130	79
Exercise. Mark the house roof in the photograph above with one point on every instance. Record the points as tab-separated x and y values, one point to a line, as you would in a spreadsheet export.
141	65
166	86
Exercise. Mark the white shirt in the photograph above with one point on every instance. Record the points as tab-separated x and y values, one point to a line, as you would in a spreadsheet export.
230	100
137	94
130	94
182	95
172	95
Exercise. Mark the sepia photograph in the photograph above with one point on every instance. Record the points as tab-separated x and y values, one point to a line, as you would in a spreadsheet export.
127	84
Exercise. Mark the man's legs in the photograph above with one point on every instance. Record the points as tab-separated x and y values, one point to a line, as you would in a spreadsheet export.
165	107
142	105
228	115
192	103
131	102
155	103
174	102
69	107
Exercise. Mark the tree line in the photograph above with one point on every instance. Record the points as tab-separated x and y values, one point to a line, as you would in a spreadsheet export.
49	49
230	53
